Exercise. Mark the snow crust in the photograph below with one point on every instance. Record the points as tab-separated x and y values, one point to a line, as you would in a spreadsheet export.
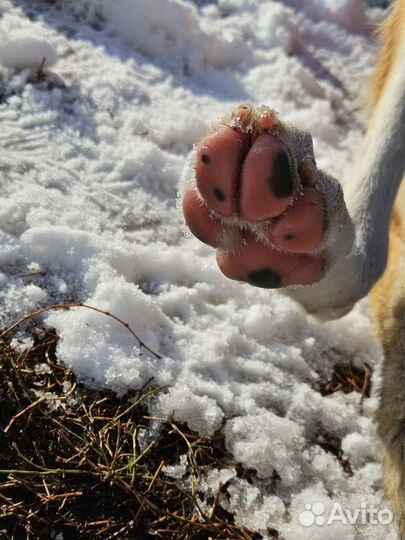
89	168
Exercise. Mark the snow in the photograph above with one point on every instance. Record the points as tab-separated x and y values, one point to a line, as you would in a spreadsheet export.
252	508
348	14
90	162
24	52
358	448
267	443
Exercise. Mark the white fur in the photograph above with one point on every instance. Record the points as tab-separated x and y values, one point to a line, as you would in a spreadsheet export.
370	198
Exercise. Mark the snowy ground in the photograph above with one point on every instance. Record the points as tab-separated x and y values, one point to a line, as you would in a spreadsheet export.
89	163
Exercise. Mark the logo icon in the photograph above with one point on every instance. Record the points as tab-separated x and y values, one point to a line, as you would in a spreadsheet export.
313	514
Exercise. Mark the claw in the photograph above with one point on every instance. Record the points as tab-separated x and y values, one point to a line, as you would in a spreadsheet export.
267	120
243	118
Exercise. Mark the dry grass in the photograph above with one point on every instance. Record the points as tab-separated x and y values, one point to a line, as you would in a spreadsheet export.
348	378
85	463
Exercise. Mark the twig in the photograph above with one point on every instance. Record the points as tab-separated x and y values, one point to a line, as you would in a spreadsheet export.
27	409
40	71
38	402
70	306
49	472
135	461
367	380
140	400
216	500
144	498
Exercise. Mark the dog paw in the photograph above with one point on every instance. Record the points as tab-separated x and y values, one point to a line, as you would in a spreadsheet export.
257	196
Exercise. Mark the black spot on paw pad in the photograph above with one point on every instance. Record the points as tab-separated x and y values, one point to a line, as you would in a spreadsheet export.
220	195
265	278
281	180
205	158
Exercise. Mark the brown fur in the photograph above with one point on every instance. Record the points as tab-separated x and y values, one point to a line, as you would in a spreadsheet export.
388	298
389	302
390	34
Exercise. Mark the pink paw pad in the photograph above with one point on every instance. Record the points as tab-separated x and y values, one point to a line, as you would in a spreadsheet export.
300	228
247	171
199	219
219	161
269	268
267	183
